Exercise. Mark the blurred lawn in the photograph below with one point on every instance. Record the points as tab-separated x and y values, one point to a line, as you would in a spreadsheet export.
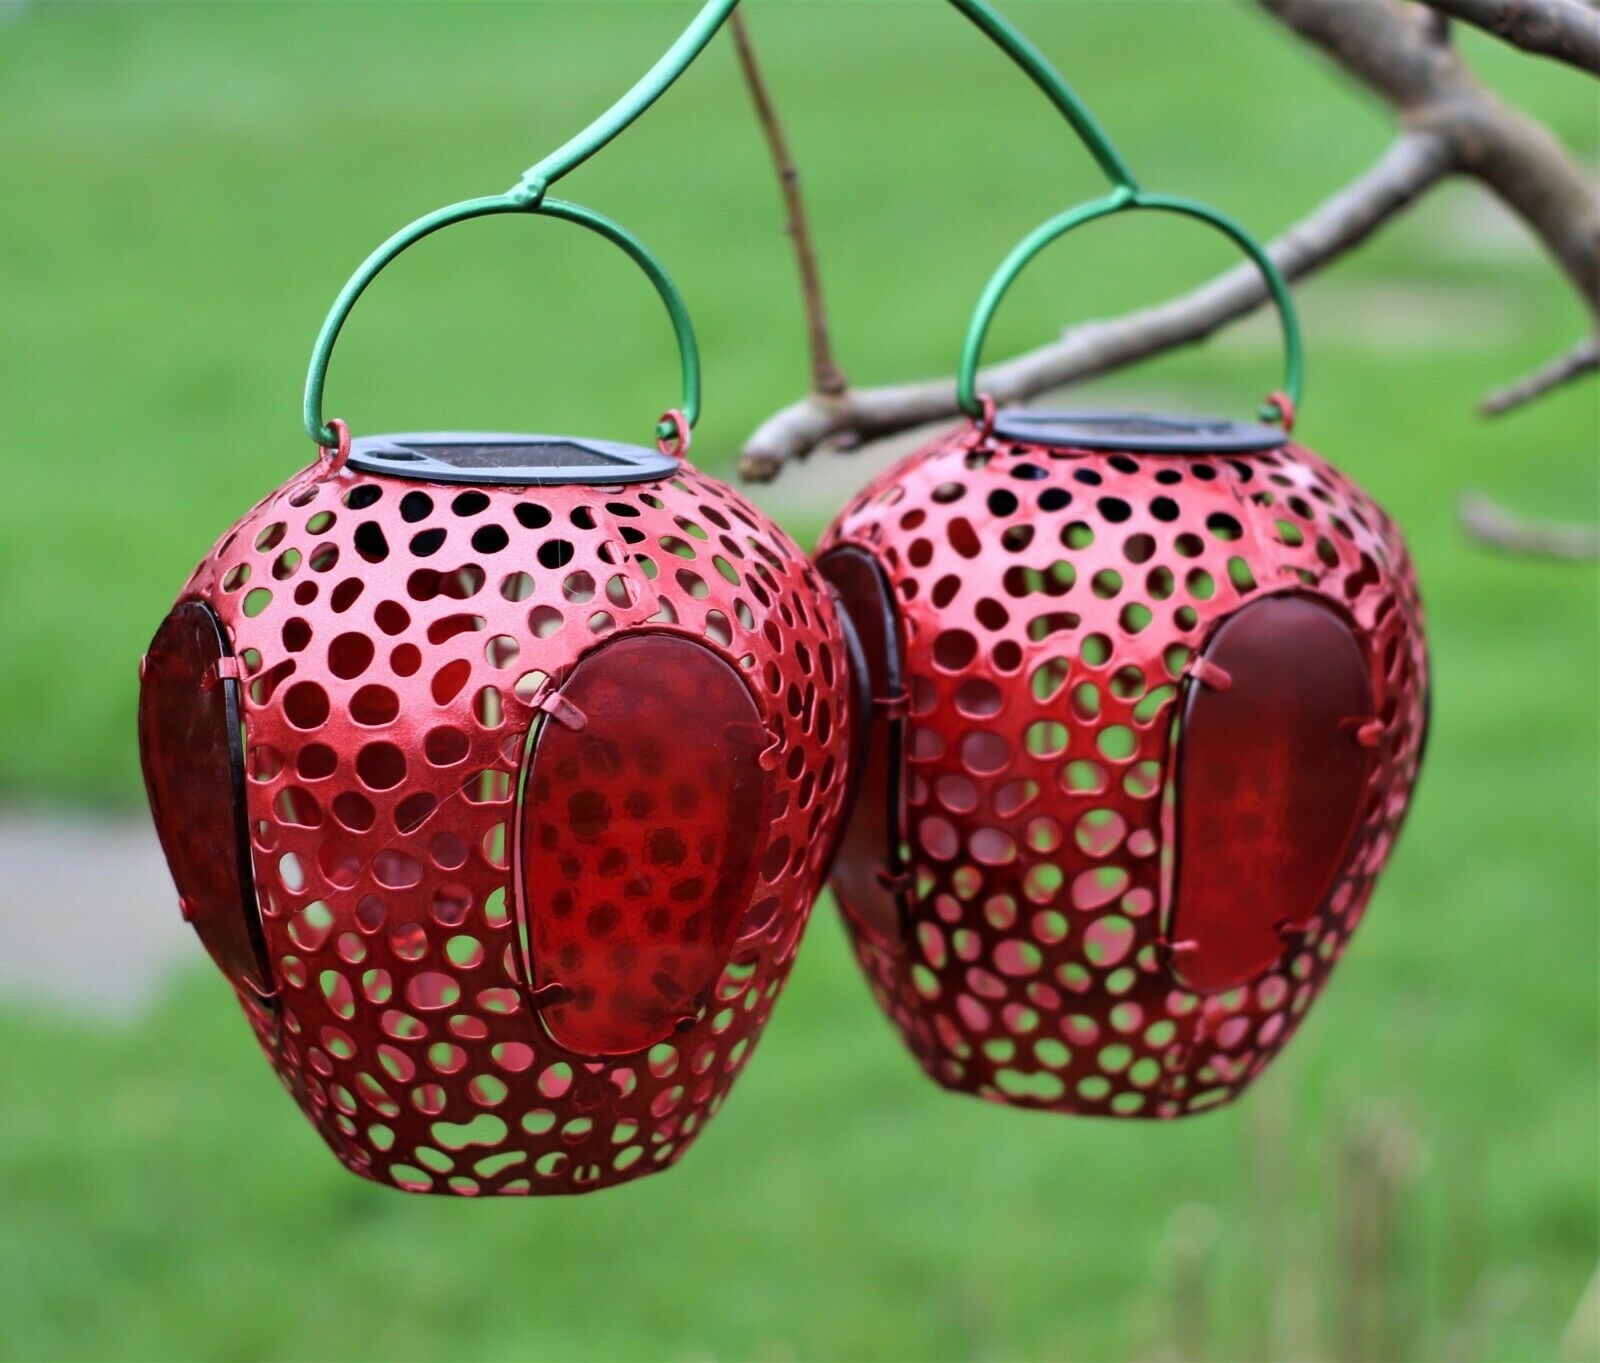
185	189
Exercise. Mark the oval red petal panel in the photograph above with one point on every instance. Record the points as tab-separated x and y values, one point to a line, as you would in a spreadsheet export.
866	872
643	817
189	746
1269	781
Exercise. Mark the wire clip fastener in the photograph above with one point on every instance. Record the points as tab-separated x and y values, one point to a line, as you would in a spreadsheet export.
266	996
224	669
549	995
1368	732
331	459
673	435
1285	406
983	423
896	706
548	699
895	882
1211	674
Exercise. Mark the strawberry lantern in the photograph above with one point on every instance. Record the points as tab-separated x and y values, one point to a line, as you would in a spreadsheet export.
496	773
1147	699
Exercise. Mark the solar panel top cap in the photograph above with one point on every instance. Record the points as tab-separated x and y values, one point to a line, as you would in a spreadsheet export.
1138	432
507	459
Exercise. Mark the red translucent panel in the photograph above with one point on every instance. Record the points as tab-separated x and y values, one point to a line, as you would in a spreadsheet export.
189	745
1269	781
865	873
641	837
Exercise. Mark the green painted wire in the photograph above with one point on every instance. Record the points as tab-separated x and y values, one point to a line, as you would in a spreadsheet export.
1010	40
1125	196
528	196
645	92
1121	201
677	310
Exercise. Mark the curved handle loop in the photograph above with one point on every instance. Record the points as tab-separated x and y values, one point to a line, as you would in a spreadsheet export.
517	201
1119	201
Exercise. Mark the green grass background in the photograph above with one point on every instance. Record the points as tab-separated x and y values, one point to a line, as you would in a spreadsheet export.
184	189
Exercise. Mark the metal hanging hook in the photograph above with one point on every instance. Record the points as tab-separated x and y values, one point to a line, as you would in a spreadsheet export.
646	91
1010	40
1126	195
528	195
372	266
1280	407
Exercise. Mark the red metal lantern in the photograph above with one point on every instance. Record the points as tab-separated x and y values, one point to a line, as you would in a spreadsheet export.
1148	698
502	808
498	774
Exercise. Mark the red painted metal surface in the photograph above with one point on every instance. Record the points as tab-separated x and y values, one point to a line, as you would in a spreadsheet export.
1061	609
396	643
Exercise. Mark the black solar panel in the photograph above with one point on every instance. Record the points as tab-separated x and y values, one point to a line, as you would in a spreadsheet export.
1140	432
517	460
548	454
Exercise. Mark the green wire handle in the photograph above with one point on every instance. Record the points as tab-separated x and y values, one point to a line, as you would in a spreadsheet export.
1125	196
1122	200
528	196
688	350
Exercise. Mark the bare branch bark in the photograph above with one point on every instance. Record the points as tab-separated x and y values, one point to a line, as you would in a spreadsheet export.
1412	165
1490	523
826	376
1567	30
1388	48
1583	358
1450	123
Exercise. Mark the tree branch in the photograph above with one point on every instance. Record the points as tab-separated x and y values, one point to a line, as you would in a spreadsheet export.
1489	523
1413	164
1567	30
1450	123
826	376
1389	49
1583	358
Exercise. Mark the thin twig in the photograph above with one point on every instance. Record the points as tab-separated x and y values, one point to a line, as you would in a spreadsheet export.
1490	523
1583	358
1566	30
1409	167
827	378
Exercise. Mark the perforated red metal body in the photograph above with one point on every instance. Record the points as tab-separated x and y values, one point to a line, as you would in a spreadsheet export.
1161	716
538	785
